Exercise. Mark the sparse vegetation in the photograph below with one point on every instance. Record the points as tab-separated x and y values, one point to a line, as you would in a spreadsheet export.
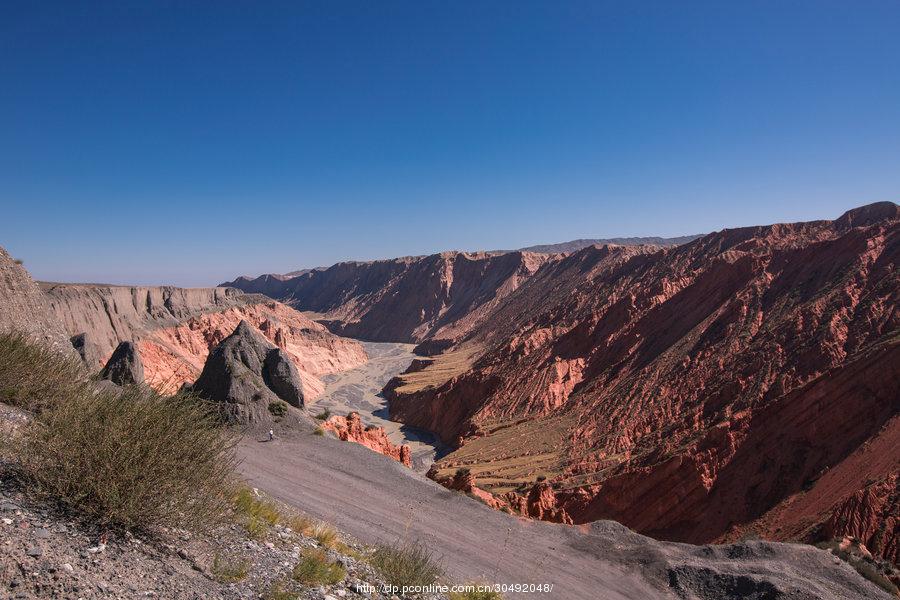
323	416
278	409
462	472
34	377
256	513
19	261
278	591
127	458
407	564
319	431
474	594
229	571
301	524
314	568
133	459
325	534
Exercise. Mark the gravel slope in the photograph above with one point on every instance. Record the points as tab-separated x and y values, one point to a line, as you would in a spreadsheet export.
376	500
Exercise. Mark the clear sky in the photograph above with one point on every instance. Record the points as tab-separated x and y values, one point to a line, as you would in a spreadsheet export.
189	142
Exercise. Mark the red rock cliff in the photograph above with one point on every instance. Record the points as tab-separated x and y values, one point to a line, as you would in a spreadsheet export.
700	386
351	429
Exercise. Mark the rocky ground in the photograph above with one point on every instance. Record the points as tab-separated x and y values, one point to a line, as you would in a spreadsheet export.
44	554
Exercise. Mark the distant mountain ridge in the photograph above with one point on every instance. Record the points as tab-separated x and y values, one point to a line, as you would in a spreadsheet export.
580	244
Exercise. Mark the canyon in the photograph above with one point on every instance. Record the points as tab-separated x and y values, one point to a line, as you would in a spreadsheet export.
737	384
709	391
740	384
175	328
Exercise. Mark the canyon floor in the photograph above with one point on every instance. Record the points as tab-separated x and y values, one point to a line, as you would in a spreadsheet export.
359	390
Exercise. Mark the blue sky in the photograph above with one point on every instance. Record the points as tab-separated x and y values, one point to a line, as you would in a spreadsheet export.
189	142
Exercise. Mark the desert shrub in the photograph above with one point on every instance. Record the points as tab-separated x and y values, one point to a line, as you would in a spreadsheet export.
474	594
278	409
541	478
878	572
229	571
407	564
279	590
35	377
130	458
314	568
323	416
319	431
463	472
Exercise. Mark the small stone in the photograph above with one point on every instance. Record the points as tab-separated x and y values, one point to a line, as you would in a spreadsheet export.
41	533
34	551
7	521
8	507
270	545
68	567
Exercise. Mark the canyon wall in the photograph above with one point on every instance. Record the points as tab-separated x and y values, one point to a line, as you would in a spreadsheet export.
408	299
687	392
175	328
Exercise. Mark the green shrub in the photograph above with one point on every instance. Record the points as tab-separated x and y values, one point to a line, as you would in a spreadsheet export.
34	377
278	409
229	571
407	564
314	568
130	458
323	416
319	431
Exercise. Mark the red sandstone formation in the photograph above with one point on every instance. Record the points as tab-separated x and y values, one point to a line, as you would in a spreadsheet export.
175	328
407	299
351	429
702	386
175	355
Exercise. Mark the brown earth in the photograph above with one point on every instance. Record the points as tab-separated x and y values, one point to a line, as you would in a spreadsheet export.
700	386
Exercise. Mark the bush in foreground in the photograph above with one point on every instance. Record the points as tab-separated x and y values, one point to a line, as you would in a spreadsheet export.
34	377
408	564
130	458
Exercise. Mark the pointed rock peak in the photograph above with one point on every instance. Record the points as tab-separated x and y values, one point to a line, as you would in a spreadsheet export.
243	328
124	367
868	215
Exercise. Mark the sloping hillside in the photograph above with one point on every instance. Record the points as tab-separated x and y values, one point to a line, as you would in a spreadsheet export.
686	392
408	299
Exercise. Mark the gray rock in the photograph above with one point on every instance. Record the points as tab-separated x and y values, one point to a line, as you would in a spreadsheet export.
124	366
88	350
34	551
246	373
41	533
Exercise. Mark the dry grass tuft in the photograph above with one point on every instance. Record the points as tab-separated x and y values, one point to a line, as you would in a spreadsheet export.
407	564
229	571
314	568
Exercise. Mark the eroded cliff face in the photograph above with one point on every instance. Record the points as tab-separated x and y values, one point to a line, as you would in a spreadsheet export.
701	385
25	309
442	296
351	429
175	355
175	328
